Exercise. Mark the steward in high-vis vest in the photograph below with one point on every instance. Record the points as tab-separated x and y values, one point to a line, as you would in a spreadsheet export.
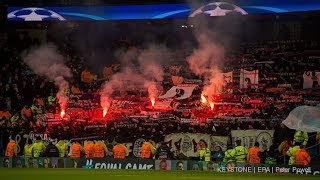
89	149
227	155
292	153
28	149
120	151
253	155
302	157
76	150
51	99
38	148
204	151
100	149
239	152
11	150
63	148
147	150
300	137
36	109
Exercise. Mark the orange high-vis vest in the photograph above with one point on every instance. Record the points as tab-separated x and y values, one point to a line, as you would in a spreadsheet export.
10	149
145	151
98	150
302	158
40	102
89	150
254	155
76	150
119	152
5	114
26	112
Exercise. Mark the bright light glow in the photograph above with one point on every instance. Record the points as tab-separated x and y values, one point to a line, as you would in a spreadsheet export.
62	113
211	105
153	101
203	99
105	111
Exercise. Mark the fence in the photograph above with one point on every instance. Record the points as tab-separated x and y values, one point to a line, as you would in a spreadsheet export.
150	164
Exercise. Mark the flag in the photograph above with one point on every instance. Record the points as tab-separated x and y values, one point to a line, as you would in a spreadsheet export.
247	78
177	80
307	80
228	80
174	69
228	77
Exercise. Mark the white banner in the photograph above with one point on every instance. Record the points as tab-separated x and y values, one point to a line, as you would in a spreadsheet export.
186	143
248	77
307	80
249	137
164	104
182	91
228	80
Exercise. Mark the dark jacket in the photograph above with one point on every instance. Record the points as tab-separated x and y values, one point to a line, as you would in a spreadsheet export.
52	151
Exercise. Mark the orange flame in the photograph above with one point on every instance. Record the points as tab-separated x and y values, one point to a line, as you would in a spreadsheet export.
211	105
203	99
62	113
105	111
153	101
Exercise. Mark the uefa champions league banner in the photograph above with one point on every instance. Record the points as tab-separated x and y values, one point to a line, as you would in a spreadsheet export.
158	11
249	137
186	143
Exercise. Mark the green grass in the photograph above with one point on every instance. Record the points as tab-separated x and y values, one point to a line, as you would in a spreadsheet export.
89	174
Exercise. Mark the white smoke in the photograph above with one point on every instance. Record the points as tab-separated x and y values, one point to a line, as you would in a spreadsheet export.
48	62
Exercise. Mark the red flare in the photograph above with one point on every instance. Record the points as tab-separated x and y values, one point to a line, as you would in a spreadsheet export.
105	111
203	99
153	101
62	113
211	105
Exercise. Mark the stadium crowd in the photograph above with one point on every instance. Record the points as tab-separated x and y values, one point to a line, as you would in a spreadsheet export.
24	95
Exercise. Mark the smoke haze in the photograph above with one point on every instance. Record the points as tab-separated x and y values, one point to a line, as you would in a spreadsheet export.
46	61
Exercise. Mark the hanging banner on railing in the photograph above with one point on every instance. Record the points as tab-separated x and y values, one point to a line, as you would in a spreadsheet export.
186	143
249	137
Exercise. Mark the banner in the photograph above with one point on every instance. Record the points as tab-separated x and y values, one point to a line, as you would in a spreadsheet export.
186	143
163	104
249	137
179	92
228	80
248	78
110	163
174	70
307	80
22	139
311	79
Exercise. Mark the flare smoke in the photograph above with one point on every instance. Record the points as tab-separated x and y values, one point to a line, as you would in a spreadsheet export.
140	69
46	61
205	61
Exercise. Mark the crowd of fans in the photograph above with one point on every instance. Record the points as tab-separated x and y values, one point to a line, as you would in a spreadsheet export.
24	94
